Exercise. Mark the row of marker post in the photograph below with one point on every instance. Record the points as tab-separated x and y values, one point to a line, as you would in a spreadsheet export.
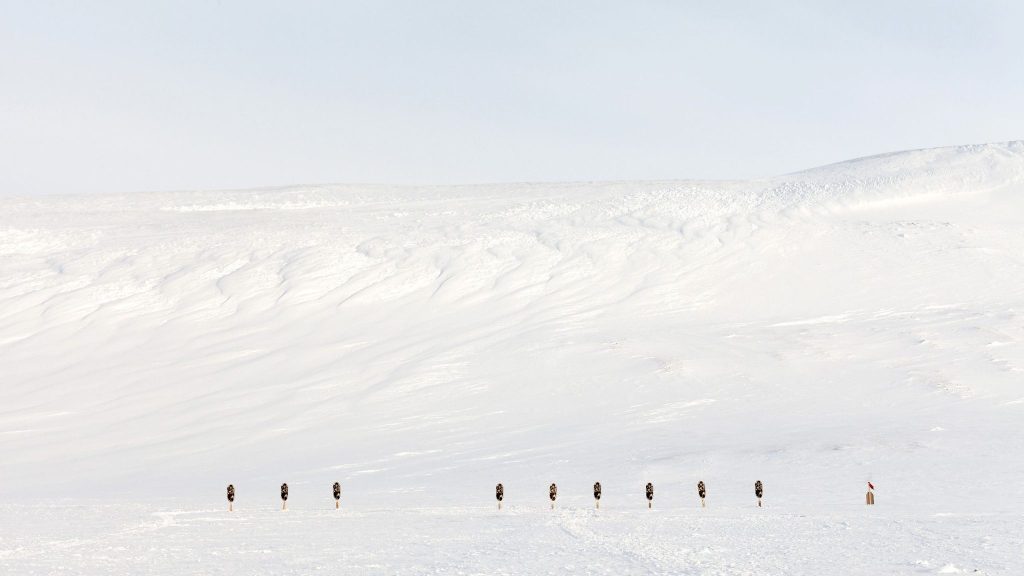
499	493
336	489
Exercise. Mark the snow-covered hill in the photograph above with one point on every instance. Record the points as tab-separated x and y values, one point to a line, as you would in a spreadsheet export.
859	321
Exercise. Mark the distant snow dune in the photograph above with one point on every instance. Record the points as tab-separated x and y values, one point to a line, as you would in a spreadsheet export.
414	342
859	321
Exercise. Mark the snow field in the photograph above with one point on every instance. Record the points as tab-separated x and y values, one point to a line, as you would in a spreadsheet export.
854	322
133	539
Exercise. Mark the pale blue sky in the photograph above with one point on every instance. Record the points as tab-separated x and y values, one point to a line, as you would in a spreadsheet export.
123	96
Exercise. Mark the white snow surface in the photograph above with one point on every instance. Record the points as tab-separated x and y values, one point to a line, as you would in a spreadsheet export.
860	321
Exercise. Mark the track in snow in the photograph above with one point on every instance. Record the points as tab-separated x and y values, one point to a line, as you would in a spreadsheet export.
136	540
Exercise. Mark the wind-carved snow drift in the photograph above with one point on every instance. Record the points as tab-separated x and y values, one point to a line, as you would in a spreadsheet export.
857	321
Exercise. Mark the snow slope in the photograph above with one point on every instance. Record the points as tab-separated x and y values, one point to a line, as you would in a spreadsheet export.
863	320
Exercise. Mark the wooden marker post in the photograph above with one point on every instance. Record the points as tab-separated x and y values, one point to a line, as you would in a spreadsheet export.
758	491
231	497
702	492
552	494
650	495
337	495
597	495
499	493
284	496
871	494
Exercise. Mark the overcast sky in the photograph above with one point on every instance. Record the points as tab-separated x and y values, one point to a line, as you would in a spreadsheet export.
124	96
